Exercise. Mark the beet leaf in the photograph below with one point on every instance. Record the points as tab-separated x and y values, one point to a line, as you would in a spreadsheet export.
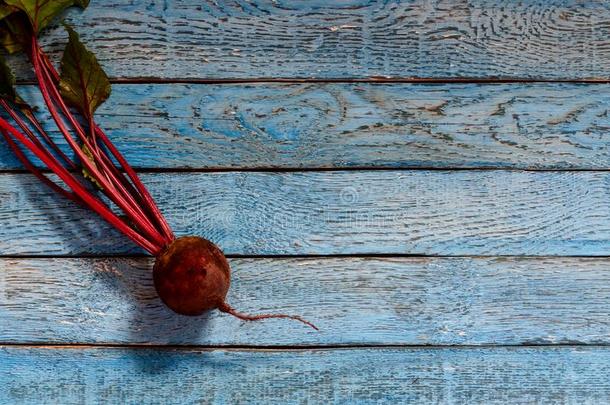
6	10
15	33
7	81
42	12
83	83
7	86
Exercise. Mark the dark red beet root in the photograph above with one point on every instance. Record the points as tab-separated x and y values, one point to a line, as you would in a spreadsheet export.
193	276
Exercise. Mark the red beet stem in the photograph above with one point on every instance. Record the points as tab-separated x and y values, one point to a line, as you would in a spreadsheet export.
30	166
47	63
224	307
51	75
25	160
148	202
148	228
129	207
38	127
92	202
19	120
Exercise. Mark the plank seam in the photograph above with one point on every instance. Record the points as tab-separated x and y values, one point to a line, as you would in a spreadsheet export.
312	256
151	170
388	80
280	348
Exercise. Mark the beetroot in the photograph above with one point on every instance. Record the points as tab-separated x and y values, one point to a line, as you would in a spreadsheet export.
191	274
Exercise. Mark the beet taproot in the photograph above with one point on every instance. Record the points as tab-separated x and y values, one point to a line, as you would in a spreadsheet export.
193	276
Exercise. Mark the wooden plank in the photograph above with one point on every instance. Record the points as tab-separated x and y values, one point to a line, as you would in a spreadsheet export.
381	301
544	125
195	39
338	212
567	375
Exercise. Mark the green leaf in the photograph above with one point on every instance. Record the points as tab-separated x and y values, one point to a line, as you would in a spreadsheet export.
15	33
7	86
86	173
42	12
84	84
7	81
6	10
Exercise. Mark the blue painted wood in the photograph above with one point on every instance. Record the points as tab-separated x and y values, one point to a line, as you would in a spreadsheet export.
554	39
389	301
337	212
439	301
567	375
544	125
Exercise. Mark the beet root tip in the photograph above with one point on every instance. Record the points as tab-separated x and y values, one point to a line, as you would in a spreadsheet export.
193	276
224	307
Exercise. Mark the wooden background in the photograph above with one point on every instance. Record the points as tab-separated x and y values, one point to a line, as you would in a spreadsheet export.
425	180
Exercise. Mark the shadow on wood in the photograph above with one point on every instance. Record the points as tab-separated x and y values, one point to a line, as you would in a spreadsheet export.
118	276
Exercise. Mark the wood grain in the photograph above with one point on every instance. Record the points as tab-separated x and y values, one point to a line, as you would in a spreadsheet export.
416	329
543	126
567	375
337	212
196	39
354	301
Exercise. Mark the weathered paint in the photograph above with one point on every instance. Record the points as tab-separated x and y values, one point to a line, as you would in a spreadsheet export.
197	39
541	375
339	125
356	300
478	212
380	301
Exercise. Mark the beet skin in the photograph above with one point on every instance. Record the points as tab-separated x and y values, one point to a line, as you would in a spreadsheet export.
192	276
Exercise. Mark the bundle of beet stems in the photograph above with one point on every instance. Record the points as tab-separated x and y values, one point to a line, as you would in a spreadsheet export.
191	274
